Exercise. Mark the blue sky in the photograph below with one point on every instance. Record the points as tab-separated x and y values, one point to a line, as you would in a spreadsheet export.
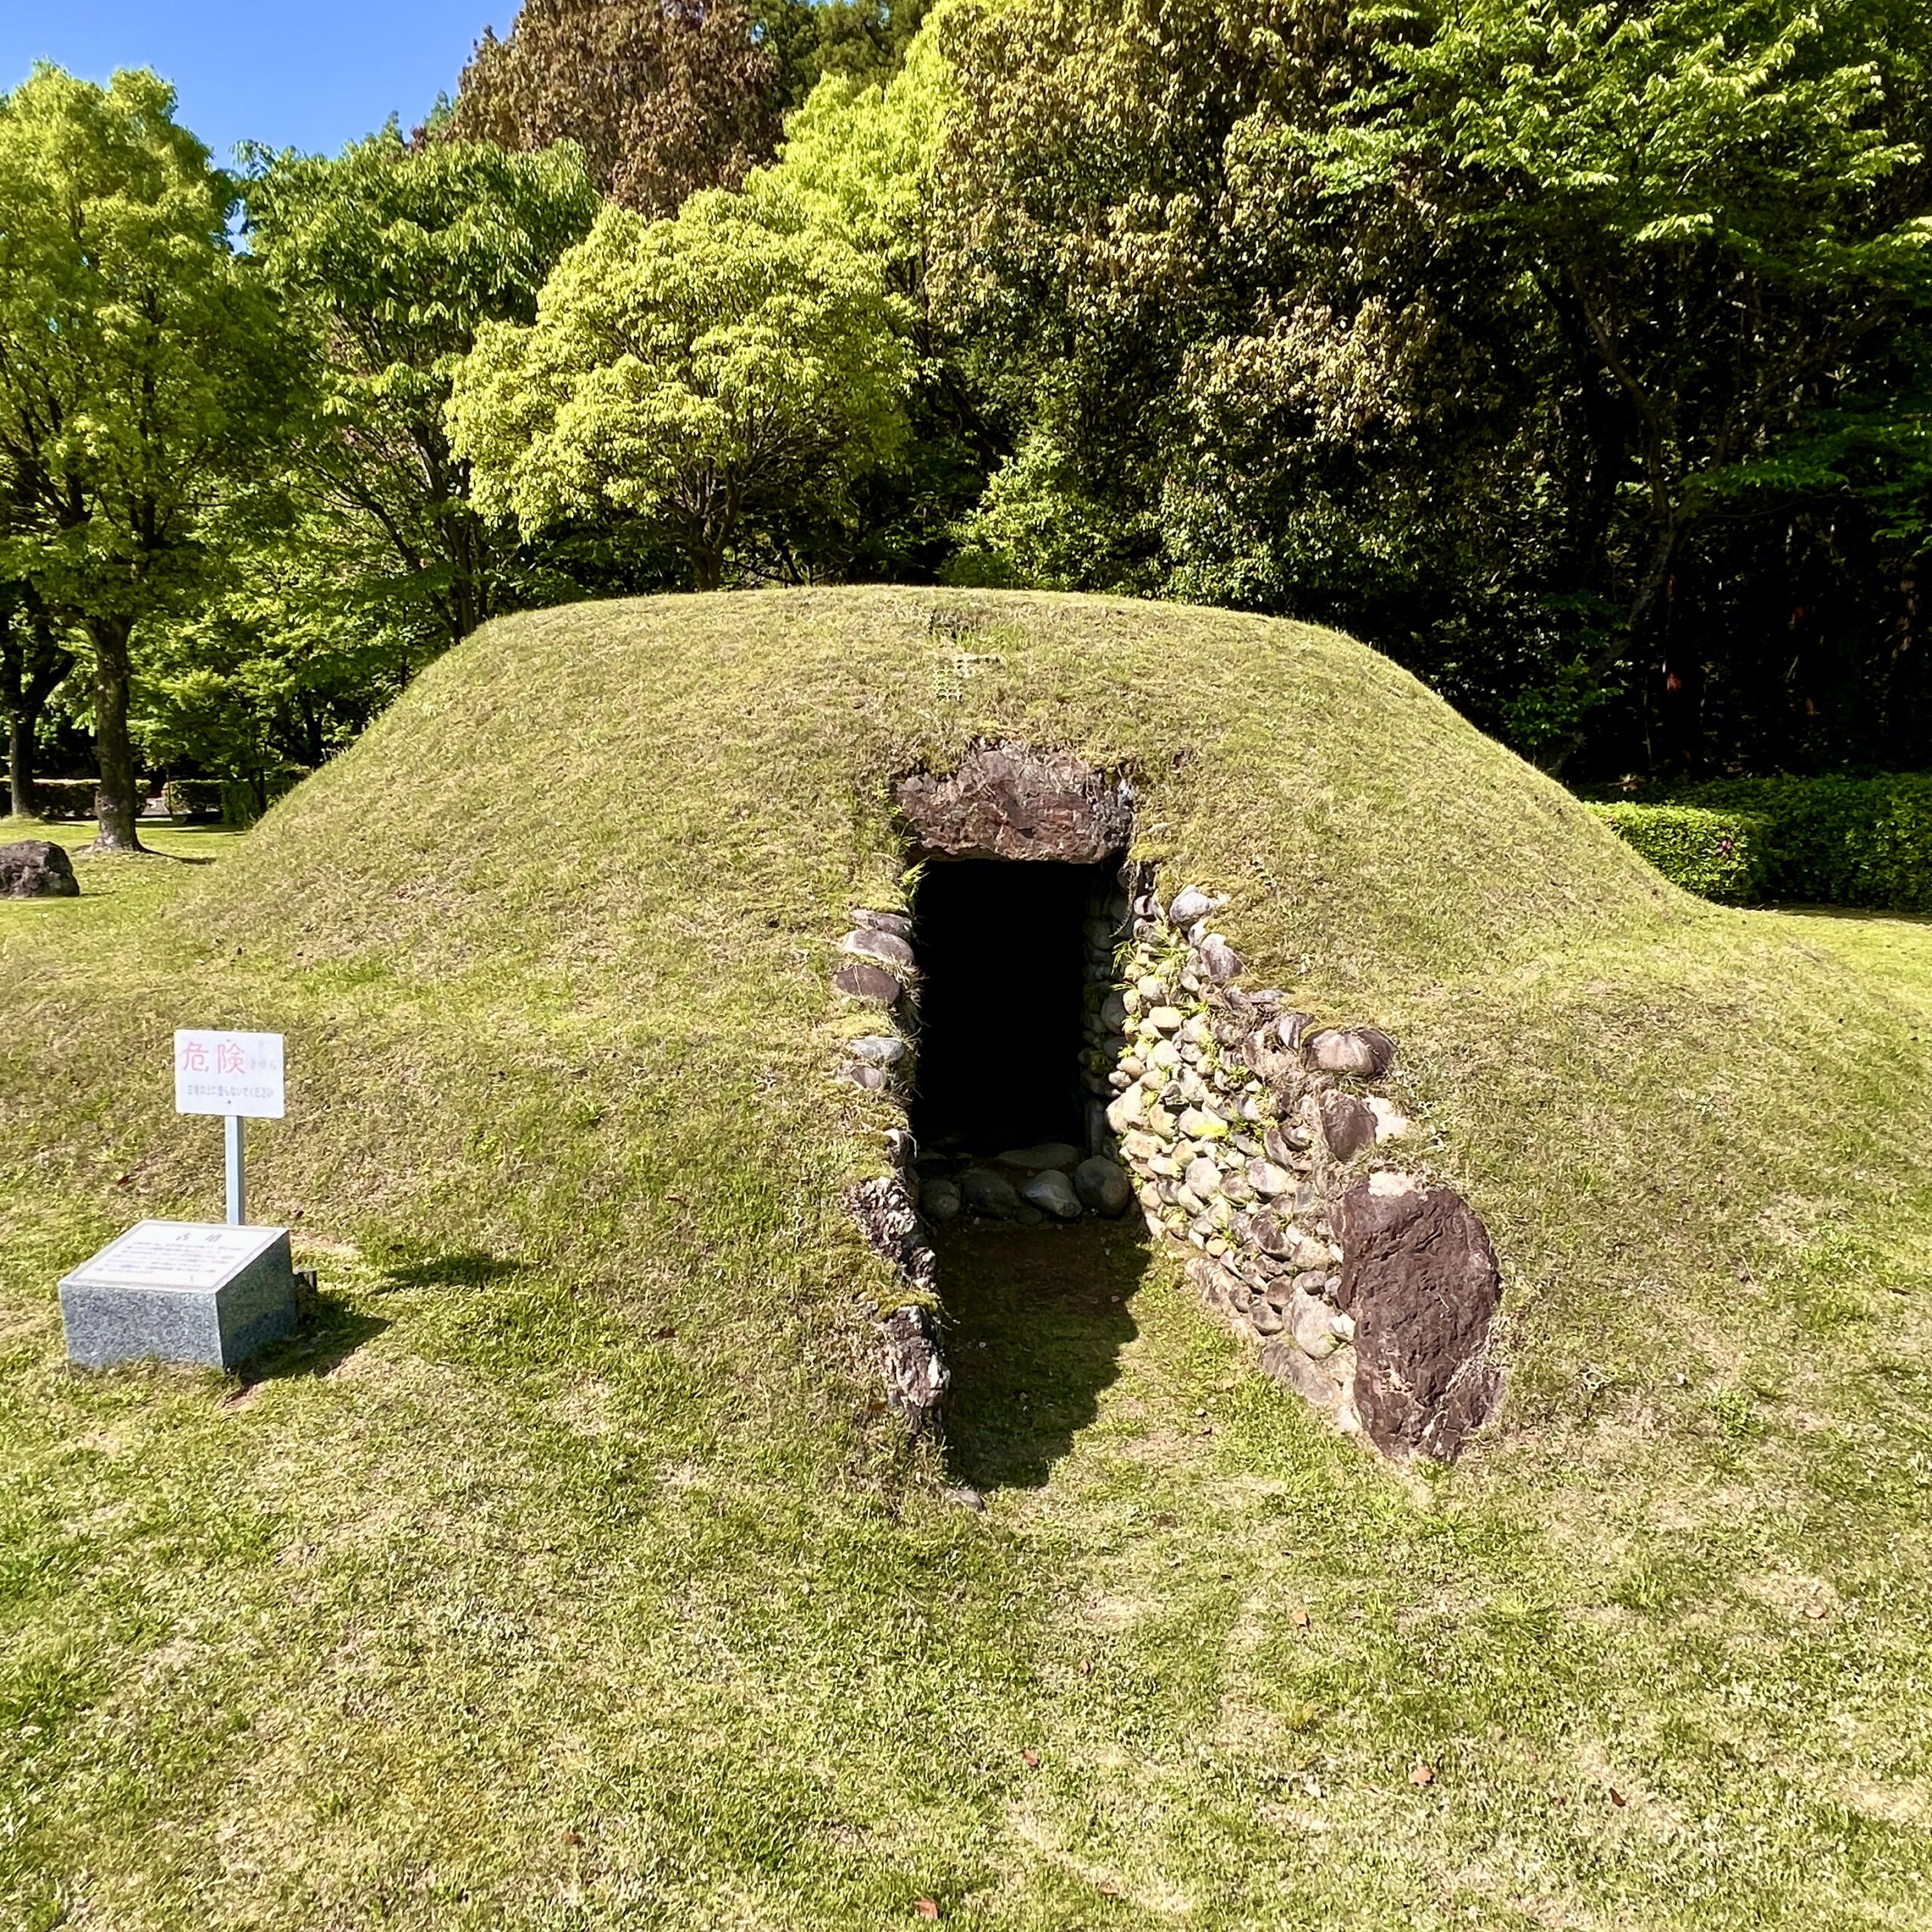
306	74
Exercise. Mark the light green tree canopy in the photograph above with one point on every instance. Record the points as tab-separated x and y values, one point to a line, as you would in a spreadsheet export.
703	375
267	674
143	369
859	154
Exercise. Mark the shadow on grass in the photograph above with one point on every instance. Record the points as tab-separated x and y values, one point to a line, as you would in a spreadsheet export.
1035	1319
1860	912
461	1268
328	1336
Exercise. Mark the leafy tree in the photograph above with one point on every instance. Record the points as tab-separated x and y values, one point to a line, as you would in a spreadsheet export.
1848	505
864	41
859	158
1712	206
143	369
713	377
1187	354
663	97
266	675
391	259
1459	326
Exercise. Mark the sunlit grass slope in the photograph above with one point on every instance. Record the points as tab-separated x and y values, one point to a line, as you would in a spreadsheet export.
565	1576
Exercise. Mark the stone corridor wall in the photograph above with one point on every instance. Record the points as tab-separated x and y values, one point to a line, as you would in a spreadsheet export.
879	973
1260	1145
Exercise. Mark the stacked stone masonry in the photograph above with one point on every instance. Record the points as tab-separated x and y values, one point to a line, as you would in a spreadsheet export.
1259	1145
879	973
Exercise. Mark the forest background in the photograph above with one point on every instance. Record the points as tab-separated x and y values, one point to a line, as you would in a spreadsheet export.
1576	356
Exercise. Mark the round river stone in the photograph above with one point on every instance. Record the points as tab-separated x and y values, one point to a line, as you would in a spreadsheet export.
990	1194
1053	1193
1104	1186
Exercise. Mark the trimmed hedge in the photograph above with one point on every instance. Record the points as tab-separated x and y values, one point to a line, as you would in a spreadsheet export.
230	800
1718	855
61	797
192	797
1838	842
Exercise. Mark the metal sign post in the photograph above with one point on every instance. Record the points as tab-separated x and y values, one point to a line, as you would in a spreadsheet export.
237	1204
238	1075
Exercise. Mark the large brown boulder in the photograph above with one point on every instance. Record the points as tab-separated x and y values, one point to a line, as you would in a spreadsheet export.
1419	1277
37	868
1009	801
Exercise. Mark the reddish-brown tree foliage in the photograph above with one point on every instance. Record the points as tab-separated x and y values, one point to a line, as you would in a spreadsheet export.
664	97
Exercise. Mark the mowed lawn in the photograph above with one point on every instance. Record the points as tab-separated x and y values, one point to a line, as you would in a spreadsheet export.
506	1596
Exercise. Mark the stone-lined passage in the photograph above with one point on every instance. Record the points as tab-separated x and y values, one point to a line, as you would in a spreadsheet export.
1253	1139
1004	800
1056	1180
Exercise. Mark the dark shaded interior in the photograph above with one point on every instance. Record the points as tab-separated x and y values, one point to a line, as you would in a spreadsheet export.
1002	971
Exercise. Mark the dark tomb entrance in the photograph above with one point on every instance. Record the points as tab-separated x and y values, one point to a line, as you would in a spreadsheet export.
1038	1309
1023	897
1002	952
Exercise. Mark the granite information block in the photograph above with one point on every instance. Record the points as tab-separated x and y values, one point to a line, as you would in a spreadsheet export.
183	1291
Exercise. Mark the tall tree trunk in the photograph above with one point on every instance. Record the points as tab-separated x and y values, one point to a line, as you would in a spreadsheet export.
13	694
22	730
20	766
30	673
116	802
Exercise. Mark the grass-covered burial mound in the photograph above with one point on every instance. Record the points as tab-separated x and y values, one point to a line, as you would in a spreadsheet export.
578	1566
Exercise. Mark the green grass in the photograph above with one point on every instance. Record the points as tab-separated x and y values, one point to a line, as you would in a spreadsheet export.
565	1575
